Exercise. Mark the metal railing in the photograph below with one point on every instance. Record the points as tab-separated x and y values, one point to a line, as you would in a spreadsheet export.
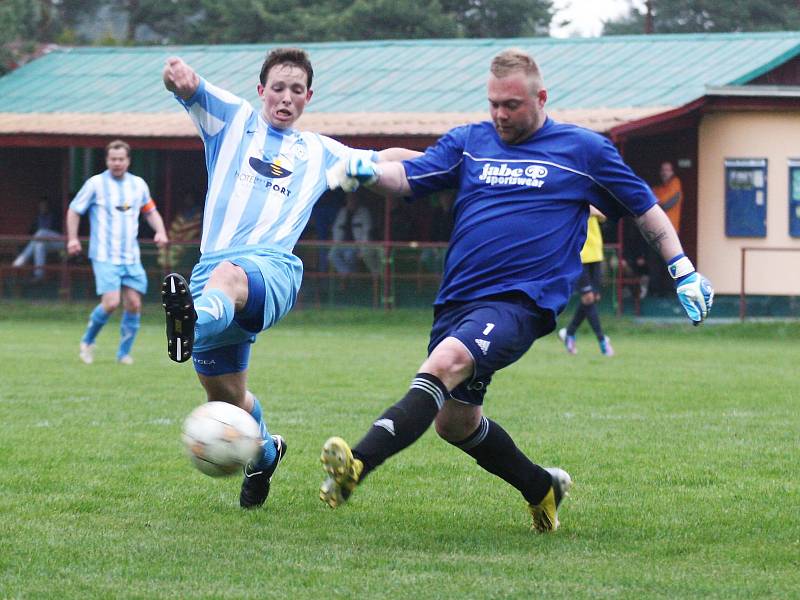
743	277
385	274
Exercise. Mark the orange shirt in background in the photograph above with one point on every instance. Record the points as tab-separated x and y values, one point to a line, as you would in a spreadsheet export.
670	198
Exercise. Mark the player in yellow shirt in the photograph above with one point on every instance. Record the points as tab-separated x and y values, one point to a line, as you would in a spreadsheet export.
589	288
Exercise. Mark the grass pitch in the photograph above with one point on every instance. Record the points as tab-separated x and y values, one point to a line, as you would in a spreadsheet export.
683	449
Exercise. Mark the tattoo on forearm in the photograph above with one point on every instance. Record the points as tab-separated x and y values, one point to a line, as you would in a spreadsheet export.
655	237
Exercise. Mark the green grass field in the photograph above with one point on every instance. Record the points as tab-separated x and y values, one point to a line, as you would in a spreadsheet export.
683	450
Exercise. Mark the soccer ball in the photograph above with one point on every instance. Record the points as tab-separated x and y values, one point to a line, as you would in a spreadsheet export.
220	438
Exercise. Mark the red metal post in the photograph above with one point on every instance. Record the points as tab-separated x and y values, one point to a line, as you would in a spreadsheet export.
388	284
64	291
618	274
169	205
742	300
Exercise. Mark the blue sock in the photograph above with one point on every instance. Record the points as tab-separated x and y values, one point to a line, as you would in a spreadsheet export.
214	314
97	319
128	328
268	450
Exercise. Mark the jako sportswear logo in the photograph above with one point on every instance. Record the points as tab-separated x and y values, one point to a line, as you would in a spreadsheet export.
216	308
268	169
387	424
483	345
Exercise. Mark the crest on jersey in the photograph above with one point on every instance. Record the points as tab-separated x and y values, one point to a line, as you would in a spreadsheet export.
272	170
299	151
123	207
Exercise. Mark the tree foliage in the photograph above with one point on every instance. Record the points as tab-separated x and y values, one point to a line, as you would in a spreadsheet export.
395	19
20	21
329	20
701	16
500	18
242	21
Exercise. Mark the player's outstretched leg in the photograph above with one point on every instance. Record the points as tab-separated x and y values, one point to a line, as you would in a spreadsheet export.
397	428
545	514
343	471
495	451
256	484
181	317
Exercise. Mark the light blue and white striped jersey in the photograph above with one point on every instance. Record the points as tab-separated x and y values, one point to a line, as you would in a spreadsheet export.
114	207
262	181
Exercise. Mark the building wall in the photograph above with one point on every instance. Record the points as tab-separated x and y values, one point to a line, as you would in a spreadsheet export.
739	135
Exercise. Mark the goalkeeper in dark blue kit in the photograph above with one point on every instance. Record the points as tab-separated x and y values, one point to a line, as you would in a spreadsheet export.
525	184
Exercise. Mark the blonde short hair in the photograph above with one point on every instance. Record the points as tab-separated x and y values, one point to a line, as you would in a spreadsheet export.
512	60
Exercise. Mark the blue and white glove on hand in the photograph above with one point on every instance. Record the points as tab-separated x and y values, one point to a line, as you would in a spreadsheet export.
363	169
694	291
351	173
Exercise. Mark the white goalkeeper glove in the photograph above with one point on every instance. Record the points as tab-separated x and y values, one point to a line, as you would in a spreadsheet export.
694	291
351	173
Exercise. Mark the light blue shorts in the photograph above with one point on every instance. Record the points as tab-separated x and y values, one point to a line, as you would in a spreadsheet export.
282	272
109	277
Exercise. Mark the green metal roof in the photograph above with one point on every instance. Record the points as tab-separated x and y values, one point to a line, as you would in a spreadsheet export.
408	76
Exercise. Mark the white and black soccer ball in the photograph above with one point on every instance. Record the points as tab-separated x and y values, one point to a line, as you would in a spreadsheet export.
220	438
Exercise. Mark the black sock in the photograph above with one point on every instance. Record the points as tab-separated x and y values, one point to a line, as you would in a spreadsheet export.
496	452
594	320
402	424
580	314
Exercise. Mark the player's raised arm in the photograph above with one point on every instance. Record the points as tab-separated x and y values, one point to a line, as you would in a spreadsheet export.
694	291
180	78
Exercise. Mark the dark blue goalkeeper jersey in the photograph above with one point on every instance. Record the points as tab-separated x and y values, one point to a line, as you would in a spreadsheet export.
521	210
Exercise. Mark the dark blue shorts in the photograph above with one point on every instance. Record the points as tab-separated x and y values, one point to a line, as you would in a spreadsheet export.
591	278
235	358
496	331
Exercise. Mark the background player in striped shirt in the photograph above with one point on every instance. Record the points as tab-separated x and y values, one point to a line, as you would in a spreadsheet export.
524	184
114	200
263	180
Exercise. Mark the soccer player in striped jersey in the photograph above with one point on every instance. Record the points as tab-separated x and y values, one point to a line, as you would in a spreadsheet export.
263	180
114	200
525	184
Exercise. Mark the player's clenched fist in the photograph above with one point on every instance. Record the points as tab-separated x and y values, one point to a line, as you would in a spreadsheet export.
180	78
73	247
